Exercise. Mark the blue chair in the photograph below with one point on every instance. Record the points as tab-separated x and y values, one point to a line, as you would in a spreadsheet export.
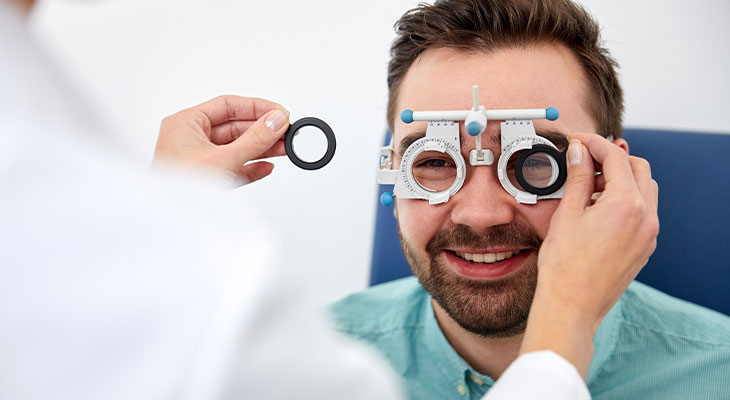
691	261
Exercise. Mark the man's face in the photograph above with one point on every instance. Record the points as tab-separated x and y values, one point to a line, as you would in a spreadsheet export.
445	243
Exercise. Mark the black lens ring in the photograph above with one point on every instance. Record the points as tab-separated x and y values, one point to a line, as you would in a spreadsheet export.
550	151
289	143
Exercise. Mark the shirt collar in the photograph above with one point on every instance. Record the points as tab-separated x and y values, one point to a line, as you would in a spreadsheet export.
451	364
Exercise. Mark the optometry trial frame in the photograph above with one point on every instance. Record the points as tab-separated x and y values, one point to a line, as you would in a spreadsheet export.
539	168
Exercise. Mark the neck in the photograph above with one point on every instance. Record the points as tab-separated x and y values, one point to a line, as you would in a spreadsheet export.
488	356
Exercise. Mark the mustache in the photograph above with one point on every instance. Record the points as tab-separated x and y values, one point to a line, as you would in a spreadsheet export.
515	235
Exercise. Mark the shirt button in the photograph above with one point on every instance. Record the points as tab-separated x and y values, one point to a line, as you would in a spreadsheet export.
476	379
461	389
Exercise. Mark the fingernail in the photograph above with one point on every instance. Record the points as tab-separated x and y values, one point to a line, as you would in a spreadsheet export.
575	152
275	120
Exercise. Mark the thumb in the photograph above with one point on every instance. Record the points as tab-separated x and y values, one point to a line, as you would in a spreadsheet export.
581	177
260	137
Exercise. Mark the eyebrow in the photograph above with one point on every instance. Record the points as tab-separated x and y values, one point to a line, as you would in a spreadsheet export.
558	138
407	141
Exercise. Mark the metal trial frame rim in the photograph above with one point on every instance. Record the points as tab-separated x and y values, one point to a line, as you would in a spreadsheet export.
417	148
289	143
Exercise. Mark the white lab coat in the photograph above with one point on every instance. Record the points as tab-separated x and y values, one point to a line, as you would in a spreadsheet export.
117	283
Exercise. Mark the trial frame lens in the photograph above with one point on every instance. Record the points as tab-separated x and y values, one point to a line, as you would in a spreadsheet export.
434	171
541	164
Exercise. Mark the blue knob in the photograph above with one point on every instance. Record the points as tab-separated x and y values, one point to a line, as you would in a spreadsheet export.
406	116
552	113
386	199
474	128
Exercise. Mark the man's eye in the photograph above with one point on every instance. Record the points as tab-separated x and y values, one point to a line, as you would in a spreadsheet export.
536	164
434	170
434	163
433	160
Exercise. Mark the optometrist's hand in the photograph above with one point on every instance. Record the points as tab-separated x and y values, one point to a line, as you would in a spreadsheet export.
224	134
594	249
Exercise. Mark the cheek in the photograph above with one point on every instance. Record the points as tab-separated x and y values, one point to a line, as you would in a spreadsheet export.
539	215
419	221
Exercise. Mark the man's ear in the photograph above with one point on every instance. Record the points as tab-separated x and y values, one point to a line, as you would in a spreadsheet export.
395	209
620	142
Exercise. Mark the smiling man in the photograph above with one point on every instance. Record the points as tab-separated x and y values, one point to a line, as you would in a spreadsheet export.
459	250
454	328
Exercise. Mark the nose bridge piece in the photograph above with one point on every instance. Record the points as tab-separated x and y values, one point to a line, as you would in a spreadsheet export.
482	178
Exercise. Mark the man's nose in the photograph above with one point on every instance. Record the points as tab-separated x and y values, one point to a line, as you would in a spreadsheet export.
482	202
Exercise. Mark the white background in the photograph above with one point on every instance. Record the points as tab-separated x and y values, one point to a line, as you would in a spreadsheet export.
137	61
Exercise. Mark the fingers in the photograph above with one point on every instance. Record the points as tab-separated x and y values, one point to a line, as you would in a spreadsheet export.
225	133
579	185
235	108
229	131
600	184
650	193
614	161
259	138
276	150
646	185
626	181
254	171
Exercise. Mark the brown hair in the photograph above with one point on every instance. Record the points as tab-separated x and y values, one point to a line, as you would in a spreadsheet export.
488	25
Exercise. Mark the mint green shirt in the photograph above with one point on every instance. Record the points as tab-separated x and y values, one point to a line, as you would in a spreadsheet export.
649	346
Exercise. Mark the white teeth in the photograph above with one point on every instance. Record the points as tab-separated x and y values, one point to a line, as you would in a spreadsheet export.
487	257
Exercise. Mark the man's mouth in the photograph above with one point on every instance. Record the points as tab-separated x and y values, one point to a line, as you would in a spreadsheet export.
485	264
486	258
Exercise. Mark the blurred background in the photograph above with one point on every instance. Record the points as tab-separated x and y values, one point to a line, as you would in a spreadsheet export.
137	61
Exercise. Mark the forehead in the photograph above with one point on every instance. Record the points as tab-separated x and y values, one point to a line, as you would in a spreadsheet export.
538	76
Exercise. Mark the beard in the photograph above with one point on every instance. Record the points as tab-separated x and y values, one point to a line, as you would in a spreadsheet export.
489	309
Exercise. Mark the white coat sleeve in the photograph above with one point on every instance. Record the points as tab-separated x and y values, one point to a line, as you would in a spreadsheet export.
541	375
